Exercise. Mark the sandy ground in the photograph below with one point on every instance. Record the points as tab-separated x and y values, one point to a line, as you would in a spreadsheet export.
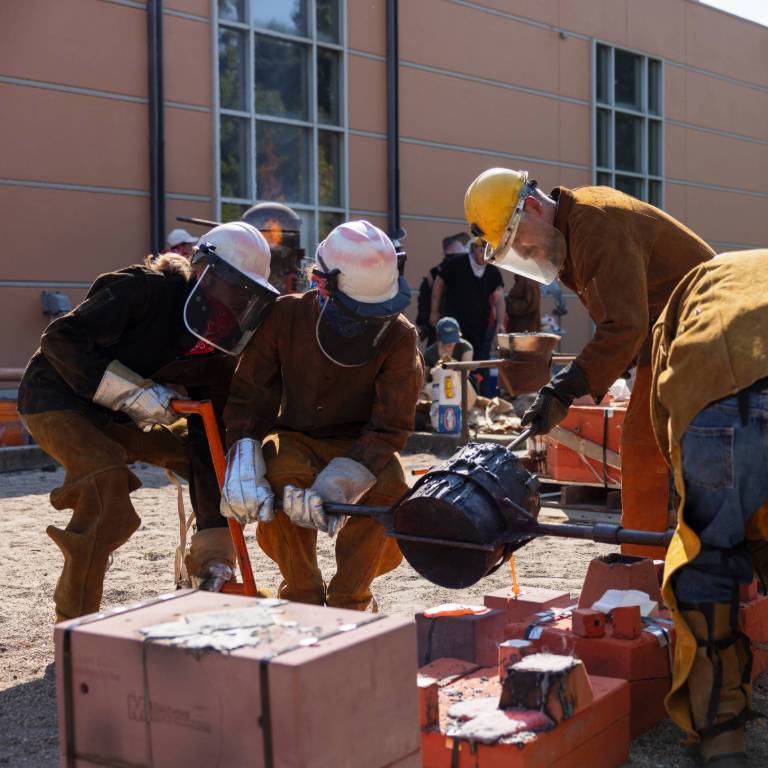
30	563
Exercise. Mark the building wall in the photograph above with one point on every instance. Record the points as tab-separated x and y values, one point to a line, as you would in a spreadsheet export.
482	83
508	83
74	163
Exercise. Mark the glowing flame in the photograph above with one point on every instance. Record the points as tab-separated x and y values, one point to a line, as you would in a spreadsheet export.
273	233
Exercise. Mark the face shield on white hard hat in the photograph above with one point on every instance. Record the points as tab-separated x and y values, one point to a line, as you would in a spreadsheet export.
530	246
232	296
361	292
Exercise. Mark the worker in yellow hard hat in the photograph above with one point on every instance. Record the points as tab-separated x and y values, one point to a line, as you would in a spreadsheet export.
623	258
708	405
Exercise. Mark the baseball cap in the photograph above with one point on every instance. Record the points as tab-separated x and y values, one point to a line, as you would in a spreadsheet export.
179	236
448	330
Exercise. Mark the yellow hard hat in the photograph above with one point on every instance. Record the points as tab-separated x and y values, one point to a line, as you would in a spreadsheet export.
492	200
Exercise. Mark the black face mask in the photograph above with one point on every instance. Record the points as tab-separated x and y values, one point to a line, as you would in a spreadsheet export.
346	339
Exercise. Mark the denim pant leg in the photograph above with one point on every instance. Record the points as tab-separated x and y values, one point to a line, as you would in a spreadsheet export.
725	466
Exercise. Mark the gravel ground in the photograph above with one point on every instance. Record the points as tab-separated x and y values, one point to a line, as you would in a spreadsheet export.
144	567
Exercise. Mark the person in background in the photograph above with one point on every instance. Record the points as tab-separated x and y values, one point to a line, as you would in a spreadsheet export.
449	344
471	287
181	242
524	306
453	245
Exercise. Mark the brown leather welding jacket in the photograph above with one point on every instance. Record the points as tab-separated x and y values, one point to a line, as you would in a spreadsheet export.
284	381
624	260
523	304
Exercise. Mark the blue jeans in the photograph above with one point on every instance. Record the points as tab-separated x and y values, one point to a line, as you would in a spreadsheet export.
725	466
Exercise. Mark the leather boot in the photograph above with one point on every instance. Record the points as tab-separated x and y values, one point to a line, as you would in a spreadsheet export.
711	622
103	519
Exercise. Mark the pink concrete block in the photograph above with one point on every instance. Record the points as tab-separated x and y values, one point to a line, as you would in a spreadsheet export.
472	637
209	708
530	600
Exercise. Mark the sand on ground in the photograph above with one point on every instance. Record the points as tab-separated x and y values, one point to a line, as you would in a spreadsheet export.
30	564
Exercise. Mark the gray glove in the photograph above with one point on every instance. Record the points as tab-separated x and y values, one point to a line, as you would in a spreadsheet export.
211	559
147	403
343	481
247	495
554	399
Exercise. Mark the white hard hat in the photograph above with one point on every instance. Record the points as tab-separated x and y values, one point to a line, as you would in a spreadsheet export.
179	236
241	246
366	259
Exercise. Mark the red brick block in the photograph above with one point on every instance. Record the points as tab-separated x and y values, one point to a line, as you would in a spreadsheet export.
642	662
627	622
510	652
596	735
473	637
748	591
588	623
530	600
616	571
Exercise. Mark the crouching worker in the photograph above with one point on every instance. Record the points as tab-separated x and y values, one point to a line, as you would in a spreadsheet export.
95	397
710	413
322	401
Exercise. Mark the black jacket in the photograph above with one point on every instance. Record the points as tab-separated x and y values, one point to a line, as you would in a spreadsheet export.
134	316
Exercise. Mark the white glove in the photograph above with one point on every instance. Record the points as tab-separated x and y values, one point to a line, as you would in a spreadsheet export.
247	495
343	481
147	403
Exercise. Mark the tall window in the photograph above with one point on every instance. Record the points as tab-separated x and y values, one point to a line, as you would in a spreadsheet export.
281	109
629	129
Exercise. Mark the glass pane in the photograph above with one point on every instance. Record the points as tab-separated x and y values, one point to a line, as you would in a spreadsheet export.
327	20
282	163
327	86
654	193
231	69
654	86
233	142
328	168
603	138
630	185
604	180
232	10
289	16
602	64
627	69
629	150
280	77
232	211
327	222
654	147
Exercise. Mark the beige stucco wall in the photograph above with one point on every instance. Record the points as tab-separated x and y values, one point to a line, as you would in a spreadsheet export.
96	138
483	105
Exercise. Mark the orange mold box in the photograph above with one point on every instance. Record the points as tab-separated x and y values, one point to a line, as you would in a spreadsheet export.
471	637
597	734
754	618
530	600
642	662
589	422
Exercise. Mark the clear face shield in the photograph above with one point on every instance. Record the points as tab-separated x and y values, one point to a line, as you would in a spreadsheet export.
530	247
226	307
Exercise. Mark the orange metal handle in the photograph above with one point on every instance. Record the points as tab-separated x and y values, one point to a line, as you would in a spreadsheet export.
204	408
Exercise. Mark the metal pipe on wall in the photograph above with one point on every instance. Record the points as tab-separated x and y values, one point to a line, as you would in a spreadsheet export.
393	118
156	125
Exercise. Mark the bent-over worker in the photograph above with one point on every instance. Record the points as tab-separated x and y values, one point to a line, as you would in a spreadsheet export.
322	401
710	413
623	258
95	397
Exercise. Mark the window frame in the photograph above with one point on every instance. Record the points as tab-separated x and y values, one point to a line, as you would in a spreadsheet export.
310	232
644	114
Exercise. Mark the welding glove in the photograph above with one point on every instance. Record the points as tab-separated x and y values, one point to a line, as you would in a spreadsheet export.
211	559
555	398
147	403
247	495
343	481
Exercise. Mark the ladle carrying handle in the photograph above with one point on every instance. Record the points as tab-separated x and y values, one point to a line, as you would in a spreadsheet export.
524	435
